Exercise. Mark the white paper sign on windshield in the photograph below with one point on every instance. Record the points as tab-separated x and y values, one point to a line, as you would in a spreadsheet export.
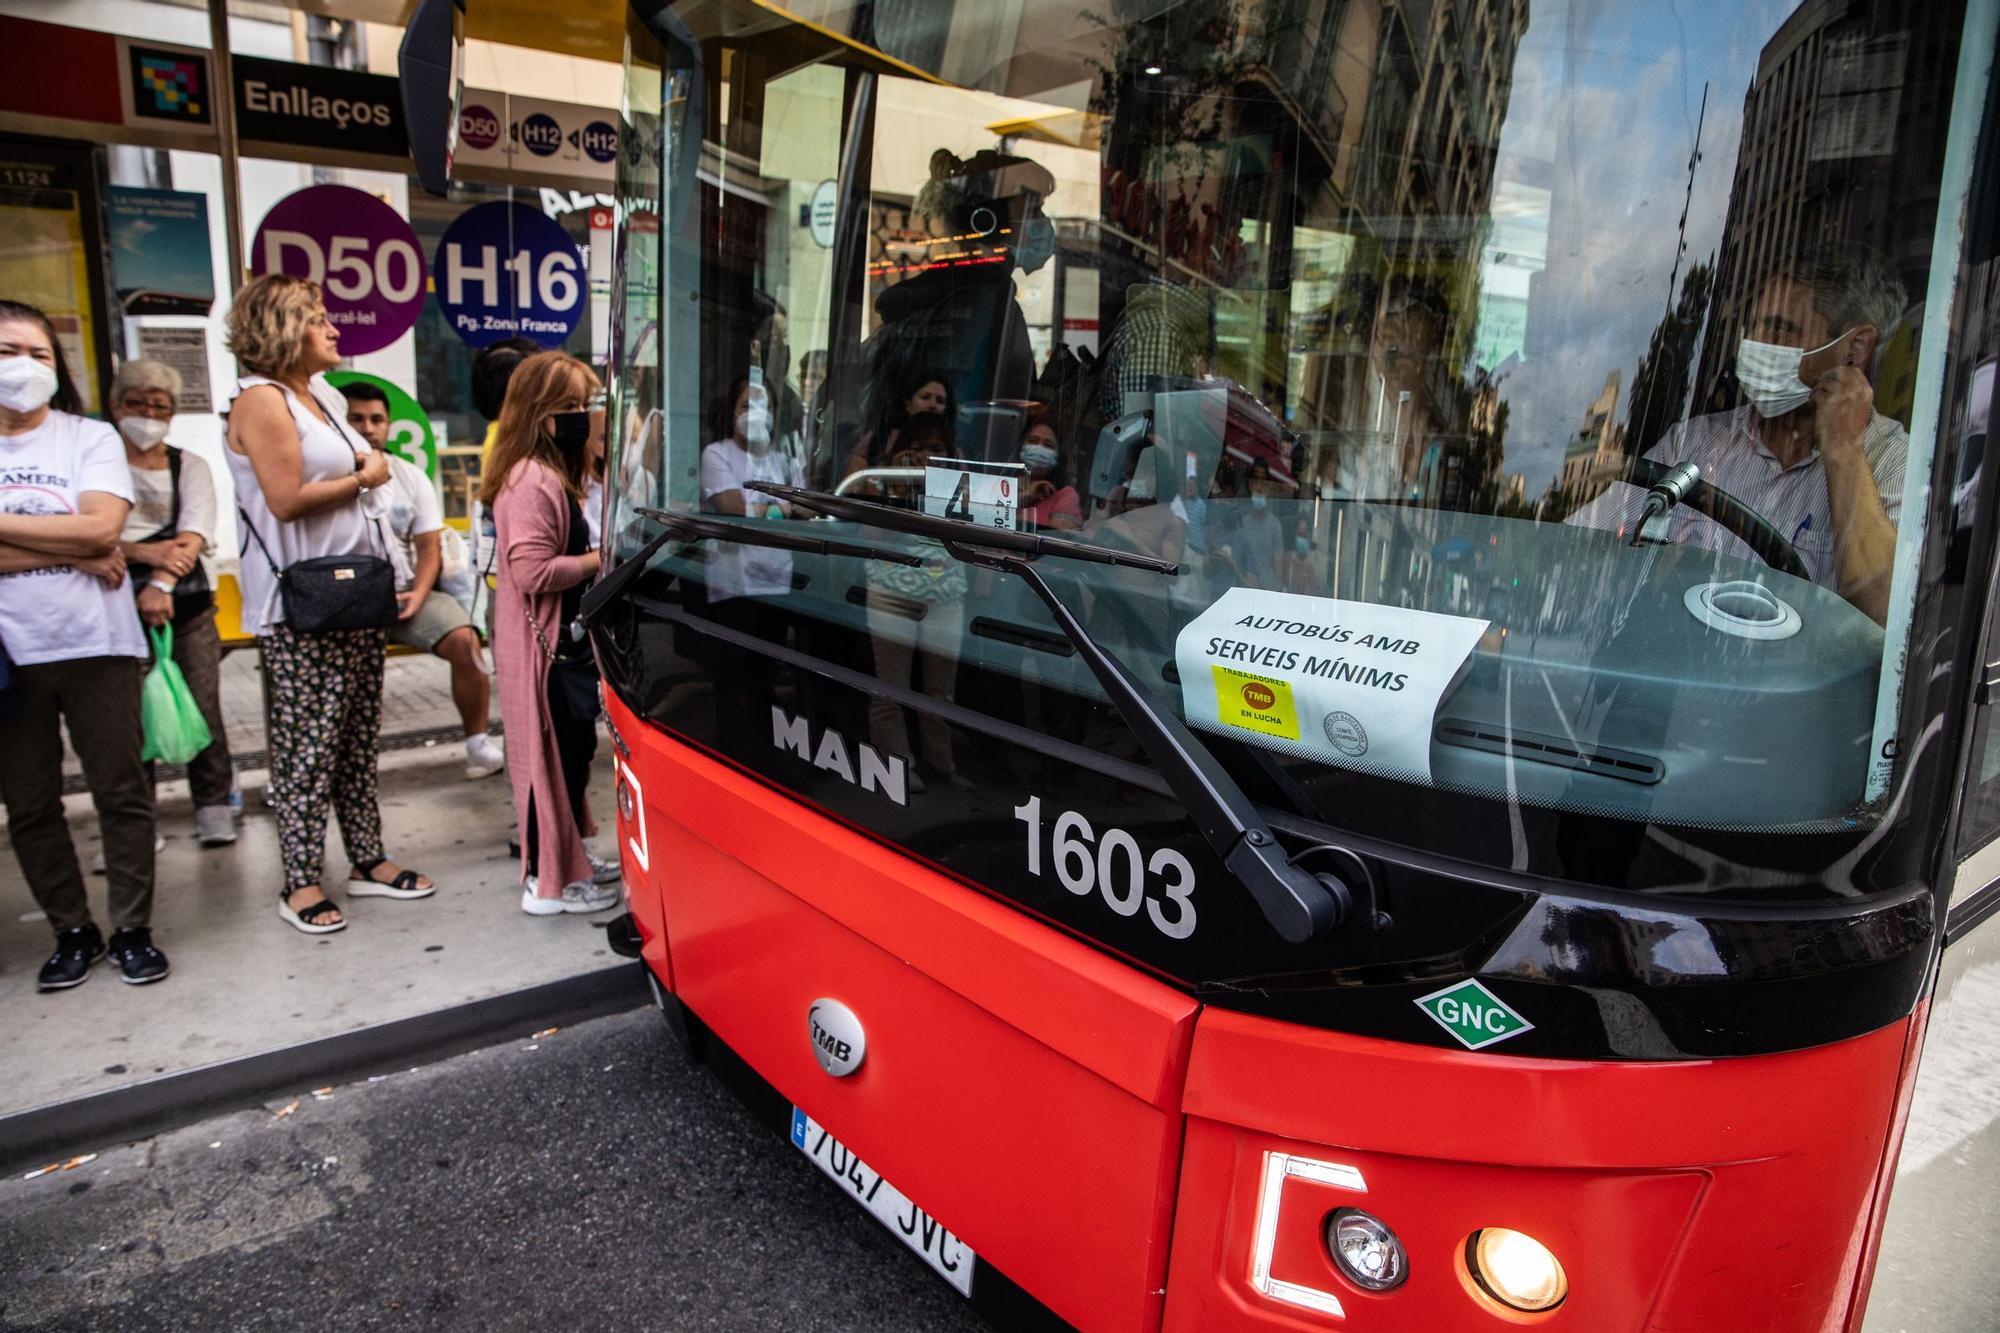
1347	683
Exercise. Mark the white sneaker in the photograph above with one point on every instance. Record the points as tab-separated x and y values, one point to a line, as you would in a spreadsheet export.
213	826
577	897
483	756
604	870
159	845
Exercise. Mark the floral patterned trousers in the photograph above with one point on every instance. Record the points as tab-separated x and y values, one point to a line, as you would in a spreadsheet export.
323	699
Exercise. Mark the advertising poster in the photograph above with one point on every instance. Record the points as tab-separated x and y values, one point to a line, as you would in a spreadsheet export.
186	350
44	260
359	250
160	260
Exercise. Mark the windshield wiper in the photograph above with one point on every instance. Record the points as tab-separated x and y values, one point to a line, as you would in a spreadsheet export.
1297	903
704	527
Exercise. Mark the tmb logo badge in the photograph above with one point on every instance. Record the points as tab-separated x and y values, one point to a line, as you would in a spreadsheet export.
838	1042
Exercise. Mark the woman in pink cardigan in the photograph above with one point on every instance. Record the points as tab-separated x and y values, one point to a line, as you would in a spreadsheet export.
548	684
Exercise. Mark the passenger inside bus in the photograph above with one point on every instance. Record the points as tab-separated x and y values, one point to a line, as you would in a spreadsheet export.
917	616
922	390
742	580
1807	451
959	317
1047	500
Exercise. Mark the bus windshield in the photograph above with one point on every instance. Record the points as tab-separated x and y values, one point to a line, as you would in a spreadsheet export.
1536	404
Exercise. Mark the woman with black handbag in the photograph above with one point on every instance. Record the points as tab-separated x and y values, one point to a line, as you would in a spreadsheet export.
171	526
318	592
534	484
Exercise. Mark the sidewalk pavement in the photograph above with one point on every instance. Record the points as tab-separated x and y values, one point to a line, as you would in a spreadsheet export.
244	981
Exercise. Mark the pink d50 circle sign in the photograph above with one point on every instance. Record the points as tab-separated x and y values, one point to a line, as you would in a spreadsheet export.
358	249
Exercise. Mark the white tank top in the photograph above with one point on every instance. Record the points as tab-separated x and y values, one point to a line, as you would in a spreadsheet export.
325	452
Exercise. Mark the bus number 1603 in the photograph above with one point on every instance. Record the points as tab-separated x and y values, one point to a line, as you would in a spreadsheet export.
1116	868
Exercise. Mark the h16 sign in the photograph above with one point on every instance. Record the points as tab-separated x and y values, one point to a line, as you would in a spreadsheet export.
504	270
358	249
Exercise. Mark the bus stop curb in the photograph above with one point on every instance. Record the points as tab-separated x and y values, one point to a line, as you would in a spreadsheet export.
155	1105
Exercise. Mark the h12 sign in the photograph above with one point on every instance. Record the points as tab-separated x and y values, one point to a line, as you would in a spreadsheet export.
504	270
359	250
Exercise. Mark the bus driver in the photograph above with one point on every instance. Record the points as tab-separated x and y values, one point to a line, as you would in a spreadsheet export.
1807	451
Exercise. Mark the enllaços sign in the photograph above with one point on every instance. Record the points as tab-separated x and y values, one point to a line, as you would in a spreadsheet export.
358	249
504	270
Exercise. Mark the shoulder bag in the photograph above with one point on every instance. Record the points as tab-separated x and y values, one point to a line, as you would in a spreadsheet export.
192	595
333	592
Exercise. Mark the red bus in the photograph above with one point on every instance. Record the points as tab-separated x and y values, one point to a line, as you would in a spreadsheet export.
1302	664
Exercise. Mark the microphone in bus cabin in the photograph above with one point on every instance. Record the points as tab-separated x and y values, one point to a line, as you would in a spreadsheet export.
1662	496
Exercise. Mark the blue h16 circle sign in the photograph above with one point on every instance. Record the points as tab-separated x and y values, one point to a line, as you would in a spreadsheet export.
504	270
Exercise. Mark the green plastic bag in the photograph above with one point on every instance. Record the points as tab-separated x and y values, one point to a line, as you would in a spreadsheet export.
175	729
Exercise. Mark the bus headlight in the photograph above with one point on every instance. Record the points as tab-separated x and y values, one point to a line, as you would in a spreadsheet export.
1366	1251
1516	1269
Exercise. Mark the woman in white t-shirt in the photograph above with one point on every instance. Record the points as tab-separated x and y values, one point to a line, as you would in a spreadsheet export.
69	626
304	481
746	454
742	580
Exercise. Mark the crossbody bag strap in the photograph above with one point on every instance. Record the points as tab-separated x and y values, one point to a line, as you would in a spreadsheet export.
250	529
174	483
338	421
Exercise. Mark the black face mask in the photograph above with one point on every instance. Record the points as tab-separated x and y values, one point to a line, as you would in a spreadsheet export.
572	431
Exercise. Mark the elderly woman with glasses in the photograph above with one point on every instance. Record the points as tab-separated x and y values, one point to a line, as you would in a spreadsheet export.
169	528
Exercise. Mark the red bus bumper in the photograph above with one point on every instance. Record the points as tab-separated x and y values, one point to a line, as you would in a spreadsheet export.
1136	1161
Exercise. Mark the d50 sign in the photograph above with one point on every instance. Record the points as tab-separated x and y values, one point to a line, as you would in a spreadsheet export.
504	270
359	250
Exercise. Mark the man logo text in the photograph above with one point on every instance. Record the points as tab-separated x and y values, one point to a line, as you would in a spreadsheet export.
875	771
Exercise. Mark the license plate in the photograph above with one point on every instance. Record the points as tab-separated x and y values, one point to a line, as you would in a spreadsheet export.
951	1257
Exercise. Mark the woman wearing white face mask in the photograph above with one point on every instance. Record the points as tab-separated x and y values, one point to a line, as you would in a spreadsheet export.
68	623
171	525
747	454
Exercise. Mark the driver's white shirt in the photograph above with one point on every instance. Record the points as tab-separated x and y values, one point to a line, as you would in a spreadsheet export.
1791	499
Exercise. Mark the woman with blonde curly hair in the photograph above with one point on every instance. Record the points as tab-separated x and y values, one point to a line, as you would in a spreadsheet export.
534	484
306	485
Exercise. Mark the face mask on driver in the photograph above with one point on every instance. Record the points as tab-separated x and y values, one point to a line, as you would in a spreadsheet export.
144	432
1038	457
1769	375
25	383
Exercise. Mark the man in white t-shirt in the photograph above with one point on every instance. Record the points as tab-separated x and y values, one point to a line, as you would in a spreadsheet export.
429	618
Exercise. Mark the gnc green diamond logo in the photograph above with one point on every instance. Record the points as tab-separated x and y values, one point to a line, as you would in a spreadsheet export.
1473	1014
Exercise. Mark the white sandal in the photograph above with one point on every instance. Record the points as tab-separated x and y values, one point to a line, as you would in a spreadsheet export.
404	885
307	918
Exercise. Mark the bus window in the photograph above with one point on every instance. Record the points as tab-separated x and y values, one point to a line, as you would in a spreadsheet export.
1590	342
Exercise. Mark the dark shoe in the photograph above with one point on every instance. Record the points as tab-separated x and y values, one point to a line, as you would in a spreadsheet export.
76	949
132	949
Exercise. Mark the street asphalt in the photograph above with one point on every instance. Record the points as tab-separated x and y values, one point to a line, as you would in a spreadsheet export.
590	1178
